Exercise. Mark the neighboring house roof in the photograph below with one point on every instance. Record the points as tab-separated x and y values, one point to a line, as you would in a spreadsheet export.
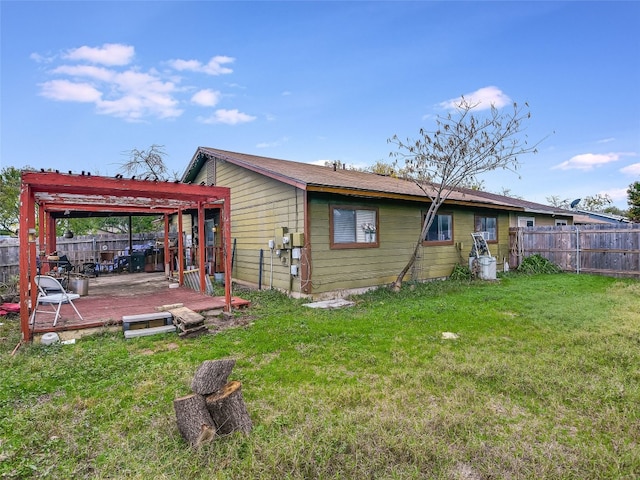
585	216
315	178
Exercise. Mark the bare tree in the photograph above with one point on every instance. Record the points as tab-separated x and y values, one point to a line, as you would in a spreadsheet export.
596	203
147	164
462	147
556	201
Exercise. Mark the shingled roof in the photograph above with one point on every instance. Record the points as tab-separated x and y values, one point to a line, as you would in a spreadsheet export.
315	178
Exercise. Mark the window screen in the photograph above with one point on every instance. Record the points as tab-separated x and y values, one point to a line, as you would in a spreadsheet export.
352	225
489	225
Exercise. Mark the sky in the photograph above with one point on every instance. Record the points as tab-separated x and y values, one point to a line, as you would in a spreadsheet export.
82	84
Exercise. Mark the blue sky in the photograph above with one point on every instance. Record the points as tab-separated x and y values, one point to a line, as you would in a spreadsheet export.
84	83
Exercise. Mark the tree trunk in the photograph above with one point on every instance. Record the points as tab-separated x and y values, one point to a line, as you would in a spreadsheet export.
194	420
228	410
211	376
398	283
428	220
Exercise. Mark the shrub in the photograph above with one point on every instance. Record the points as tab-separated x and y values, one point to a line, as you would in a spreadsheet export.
460	272
535	264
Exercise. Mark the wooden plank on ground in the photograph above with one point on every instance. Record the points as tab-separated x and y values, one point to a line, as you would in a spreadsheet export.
186	316
164	308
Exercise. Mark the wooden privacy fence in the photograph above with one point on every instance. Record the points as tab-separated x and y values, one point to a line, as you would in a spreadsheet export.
612	250
79	249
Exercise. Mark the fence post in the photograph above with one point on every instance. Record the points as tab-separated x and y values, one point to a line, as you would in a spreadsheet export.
577	250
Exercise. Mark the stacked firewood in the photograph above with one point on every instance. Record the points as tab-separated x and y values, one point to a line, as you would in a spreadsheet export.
215	408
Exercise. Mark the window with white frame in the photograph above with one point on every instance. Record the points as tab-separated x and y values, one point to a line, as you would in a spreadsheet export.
441	229
526	222
354	227
489	225
561	222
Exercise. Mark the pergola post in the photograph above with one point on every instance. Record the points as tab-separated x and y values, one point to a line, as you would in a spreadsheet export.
226	227
202	247
180	250
27	252
167	252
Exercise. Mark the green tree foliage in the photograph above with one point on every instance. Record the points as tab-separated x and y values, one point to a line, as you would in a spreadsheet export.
633	199
462	146
10	180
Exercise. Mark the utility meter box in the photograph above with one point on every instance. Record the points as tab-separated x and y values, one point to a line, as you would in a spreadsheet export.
296	239
280	233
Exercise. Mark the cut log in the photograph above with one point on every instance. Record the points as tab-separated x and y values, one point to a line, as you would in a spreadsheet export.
228	410
211	376
194	420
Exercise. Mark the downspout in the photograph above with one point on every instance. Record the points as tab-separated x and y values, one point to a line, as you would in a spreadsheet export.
260	269
271	268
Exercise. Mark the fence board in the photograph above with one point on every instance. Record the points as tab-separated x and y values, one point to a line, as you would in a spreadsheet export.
600	249
80	249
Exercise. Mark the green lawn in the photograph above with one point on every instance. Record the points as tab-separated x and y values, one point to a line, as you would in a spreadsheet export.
543	382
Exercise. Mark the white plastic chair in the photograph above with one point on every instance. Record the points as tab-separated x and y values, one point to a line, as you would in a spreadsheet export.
51	292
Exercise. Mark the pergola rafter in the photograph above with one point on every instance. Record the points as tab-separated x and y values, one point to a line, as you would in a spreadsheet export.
59	195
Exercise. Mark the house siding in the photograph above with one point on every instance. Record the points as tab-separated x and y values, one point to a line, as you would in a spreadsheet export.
339	269
541	220
259	205
399	228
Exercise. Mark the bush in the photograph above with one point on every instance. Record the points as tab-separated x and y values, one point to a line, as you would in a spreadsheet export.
535	264
460	272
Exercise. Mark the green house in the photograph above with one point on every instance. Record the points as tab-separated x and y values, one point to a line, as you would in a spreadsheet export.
320	231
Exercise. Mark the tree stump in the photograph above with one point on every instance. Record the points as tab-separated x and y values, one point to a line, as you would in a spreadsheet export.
228	411
211	376
194	420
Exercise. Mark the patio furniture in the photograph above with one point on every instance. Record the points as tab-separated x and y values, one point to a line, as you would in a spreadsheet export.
52	294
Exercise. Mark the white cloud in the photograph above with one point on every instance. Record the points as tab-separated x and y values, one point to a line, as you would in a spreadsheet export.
633	169
36	57
142	83
97	73
277	143
66	91
111	54
607	140
484	98
615	194
206	98
228	117
103	76
213	67
587	161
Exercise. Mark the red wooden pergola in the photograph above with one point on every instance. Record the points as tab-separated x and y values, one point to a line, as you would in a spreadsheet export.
59	195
